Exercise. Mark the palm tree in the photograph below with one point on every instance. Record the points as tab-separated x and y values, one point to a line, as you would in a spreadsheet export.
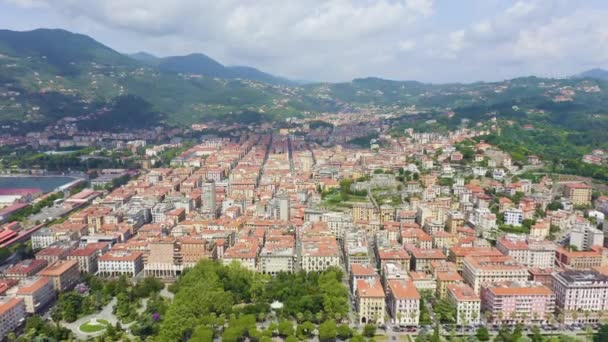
587	314
488	316
561	318
475	315
413	316
574	315
524	317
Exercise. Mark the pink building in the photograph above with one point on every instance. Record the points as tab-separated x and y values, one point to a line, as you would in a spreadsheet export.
510	302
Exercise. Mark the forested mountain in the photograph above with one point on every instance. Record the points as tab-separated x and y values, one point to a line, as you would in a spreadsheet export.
46	75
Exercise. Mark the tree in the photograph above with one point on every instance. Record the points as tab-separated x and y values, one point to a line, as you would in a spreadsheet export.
305	329
369	330
436	337
482	334
291	339
357	338
344	331
536	335
327	330
285	328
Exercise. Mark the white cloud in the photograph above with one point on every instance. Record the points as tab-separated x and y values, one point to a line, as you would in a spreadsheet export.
407	45
342	39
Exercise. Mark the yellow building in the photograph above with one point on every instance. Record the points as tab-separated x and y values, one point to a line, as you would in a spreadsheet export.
578	193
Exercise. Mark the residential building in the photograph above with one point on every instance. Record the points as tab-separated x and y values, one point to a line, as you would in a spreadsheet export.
36	292
319	253
581	296
63	273
86	257
244	252
119	262
467	303
578	193
361	272
511	302
12	315
403	302
489	269
370	301
277	255
26	268
528	252
578	260
514	217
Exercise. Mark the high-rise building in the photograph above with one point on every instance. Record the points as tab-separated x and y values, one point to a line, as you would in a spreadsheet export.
284	207
208	204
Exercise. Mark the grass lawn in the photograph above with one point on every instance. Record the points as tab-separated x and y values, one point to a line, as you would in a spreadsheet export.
91	327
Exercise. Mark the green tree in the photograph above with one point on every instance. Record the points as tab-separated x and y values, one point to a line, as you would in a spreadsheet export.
285	328
482	334
344	331
369	330
305	329
327	330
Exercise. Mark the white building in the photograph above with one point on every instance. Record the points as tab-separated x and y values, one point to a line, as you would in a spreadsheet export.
585	236
319	253
276	258
514	217
120	262
467	303
581	296
403	301
527	251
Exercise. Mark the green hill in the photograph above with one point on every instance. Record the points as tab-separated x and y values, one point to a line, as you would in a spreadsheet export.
52	74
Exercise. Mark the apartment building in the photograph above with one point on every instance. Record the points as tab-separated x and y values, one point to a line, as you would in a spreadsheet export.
578	260
467	303
244	252
86	258
319	253
422	258
370	301
36	292
26	268
512	302
403	302
277	255
193	249
63	273
578	193
514	217
527	251
445	279
488	269
12	315
361	272
581	296
120	262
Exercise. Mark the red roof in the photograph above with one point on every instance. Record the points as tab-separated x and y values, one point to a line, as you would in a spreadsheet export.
21	192
6	234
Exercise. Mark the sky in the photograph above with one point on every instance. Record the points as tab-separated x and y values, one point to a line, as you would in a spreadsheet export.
337	40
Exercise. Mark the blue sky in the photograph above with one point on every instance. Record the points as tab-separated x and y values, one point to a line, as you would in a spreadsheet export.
337	40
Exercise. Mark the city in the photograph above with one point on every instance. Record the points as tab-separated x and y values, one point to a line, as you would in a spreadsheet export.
427	230
285	171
